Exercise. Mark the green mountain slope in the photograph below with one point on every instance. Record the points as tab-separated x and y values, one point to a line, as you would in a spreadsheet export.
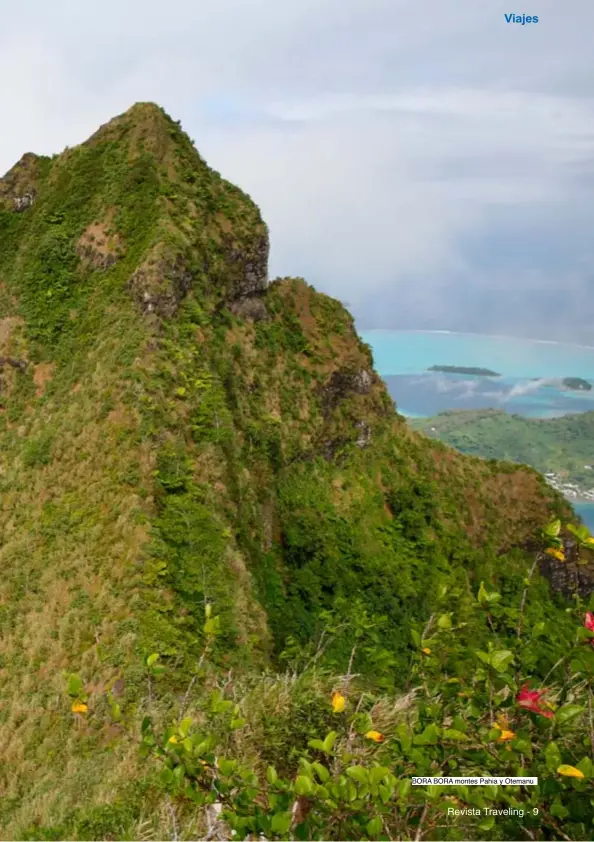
177	432
563	446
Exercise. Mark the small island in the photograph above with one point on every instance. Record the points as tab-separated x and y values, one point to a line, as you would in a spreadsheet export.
577	384
464	369
573	384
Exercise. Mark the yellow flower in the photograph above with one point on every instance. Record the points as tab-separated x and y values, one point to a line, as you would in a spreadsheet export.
558	554
569	771
172	739
338	702
426	650
375	736
503	725
506	735
79	707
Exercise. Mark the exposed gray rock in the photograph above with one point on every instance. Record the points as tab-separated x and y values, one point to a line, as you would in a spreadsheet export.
570	576
344	383
21	203
252	308
364	437
248	268
159	289
20	364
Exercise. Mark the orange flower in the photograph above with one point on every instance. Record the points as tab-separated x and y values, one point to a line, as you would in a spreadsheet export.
426	650
338	702
558	554
375	736
79	707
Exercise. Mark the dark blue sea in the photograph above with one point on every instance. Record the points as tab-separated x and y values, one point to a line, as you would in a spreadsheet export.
586	511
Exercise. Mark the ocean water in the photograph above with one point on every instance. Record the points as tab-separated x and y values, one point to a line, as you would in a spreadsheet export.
527	368
586	511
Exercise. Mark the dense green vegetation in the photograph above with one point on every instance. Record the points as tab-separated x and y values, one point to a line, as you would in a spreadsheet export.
213	522
562	446
465	369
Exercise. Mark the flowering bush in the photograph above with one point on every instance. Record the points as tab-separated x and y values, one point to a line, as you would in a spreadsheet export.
355	780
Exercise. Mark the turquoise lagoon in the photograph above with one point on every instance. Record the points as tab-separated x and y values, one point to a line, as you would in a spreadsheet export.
527	368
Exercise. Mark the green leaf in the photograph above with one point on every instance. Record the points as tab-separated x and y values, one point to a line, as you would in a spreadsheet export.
416	637
501	659
404	787
328	743
75	685
212	626
184	727
522	745
585	767
553	529
568	712
303	785
271	775
538	629
459	724
430	736
322	773
482	594
318	745
377	774
167	776
453	734
374	827
227	767
281	823
552	757
357	773
152	659
558	810
445	622
487	823
404	736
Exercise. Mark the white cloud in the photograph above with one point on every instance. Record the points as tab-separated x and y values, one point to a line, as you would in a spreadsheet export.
393	146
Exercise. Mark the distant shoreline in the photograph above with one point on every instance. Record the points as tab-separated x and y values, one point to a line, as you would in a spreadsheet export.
482	335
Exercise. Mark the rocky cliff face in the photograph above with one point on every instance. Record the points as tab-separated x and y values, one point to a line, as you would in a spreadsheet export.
181	431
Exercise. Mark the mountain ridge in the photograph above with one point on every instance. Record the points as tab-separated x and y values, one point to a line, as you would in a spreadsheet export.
186	433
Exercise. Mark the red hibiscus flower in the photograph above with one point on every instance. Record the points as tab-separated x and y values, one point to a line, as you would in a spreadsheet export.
589	623
531	700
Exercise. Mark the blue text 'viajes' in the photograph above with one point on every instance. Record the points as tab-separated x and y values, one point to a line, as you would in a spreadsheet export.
512	18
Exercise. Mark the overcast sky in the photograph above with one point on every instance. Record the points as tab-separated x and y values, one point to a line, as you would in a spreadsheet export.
423	160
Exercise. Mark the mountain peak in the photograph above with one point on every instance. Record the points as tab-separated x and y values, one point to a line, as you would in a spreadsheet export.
176	433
